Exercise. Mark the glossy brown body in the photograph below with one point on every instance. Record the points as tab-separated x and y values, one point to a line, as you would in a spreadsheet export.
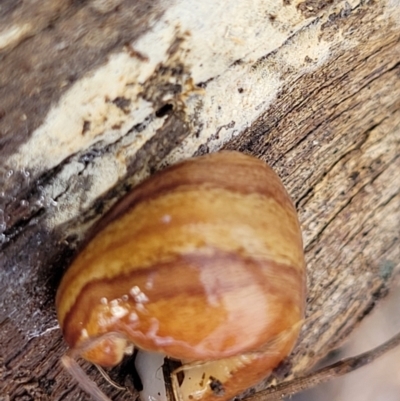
202	261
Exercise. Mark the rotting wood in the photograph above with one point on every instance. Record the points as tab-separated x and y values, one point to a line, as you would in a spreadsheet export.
311	87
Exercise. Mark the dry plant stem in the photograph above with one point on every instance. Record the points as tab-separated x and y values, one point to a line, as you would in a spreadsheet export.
80	376
329	372
73	368
108	378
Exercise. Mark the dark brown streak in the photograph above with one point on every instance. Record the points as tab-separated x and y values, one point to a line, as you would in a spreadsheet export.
241	174
186	267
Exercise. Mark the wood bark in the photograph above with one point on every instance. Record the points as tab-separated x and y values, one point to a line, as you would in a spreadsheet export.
97	95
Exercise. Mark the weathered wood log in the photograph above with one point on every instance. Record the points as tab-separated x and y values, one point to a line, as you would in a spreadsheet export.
96	95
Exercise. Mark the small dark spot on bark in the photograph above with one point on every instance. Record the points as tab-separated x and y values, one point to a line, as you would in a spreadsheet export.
308	59
354	175
203	376
175	88
47	385
164	110
177	71
238	62
272	17
122	103
72	78
332	17
216	386
202	150
326	25
89	156
135	53
286	2
346	10
240	90
175	46
86	127
283	369
116	126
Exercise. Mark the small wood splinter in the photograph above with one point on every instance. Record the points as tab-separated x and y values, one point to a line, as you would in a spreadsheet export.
83	380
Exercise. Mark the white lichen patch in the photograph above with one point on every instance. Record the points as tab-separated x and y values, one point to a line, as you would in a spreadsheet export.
221	33
103	172
89	112
274	56
216	36
245	51
13	34
305	53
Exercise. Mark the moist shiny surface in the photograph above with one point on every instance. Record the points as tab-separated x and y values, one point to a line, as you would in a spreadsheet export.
202	261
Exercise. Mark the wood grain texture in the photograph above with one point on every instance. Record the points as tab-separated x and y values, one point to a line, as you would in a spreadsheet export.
311	87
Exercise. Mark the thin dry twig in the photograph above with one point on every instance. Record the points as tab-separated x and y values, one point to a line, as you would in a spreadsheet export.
324	374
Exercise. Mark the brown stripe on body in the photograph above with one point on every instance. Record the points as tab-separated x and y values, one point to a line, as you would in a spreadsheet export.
229	170
235	303
250	225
